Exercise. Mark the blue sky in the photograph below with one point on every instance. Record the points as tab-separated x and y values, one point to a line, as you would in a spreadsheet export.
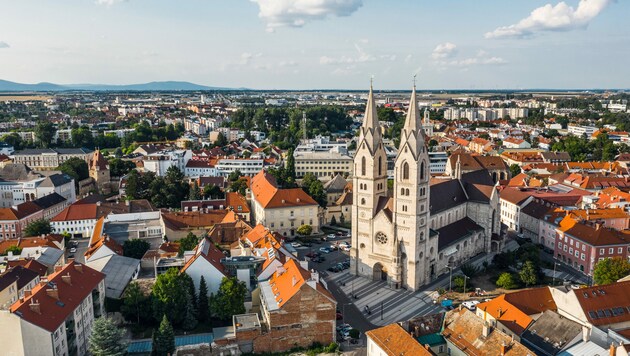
308	44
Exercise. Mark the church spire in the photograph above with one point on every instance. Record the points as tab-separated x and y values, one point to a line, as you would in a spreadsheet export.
371	128
413	114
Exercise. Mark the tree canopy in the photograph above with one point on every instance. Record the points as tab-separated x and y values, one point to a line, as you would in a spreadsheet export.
170	295
76	168
314	187
44	133
188	243
609	270
106	338
230	299
164	338
135	248
37	228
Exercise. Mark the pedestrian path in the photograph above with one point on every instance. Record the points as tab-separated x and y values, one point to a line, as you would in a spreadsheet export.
386	305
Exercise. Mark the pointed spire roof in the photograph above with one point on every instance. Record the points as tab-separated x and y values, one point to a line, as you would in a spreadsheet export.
370	120
413	114
370	132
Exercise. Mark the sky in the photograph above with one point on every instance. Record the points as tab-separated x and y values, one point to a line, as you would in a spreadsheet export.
319	44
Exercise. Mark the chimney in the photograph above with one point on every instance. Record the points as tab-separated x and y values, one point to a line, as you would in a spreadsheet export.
585	334
78	267
27	293
304	264
66	278
613	350
503	348
98	203
487	329
35	307
53	292
293	280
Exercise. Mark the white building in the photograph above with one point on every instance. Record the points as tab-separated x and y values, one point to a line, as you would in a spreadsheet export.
323	164
200	168
581	130
437	162
160	162
247	166
49	158
55	318
512	201
205	260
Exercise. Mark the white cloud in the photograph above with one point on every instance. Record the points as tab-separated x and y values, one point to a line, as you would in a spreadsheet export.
408	58
247	57
288	63
444	50
4	44
296	13
361	57
560	17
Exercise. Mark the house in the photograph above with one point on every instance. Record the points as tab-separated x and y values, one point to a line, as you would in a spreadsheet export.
119	271
468	163
551	333
228	232
512	313
335	188
55	317
176	225
512	201
581	245
555	157
233	200
295	308
282	210
467	334
100	244
49	158
512	142
393	340
205	261
13	284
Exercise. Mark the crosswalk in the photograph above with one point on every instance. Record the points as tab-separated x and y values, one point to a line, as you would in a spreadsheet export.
386	305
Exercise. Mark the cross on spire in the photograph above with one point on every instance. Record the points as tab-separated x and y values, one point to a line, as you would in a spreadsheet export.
414	81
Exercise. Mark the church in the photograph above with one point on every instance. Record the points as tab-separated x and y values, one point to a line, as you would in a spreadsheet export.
409	235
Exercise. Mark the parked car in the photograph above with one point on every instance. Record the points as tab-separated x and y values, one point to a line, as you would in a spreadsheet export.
344	243
331	236
324	250
343	326
296	244
319	259
73	250
340	234
312	254
333	247
339	316
471	304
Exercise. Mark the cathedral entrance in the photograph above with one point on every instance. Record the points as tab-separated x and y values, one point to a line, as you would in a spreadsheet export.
379	273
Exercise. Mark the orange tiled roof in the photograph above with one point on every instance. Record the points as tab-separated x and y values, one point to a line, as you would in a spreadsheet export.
26	242
593	235
206	250
236	200
266	193
604	301
31	264
78	212
594	214
395	341
53	311
99	239
193	219
287	282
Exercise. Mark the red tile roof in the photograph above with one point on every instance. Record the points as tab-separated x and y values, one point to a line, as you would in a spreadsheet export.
286	282
265	191
593	234
605	304
396	341
206	250
99	239
53	311
78	212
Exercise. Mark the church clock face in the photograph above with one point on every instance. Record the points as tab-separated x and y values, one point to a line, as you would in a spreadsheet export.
381	238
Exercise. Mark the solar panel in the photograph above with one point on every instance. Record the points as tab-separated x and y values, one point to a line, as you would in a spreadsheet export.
592	314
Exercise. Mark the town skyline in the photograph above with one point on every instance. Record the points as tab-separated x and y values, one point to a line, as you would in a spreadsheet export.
332	44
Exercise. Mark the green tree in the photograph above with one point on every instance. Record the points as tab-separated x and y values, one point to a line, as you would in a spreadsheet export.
14	140
119	167
290	165
44	133
506	281
170	293
230	299
135	248
195	192
515	170
164	339
202	304
76	168
190	316
609	270
13	249
239	186
106	338
469	270
333	221
82	137
234	175
221	140
188	243
314	187
305	230
528	274
37	228
211	191
135	302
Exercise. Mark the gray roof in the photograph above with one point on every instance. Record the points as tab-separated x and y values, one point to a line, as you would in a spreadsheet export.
118	270
550	333
56	180
17	172
19	274
337	184
49	200
456	231
446	194
47	256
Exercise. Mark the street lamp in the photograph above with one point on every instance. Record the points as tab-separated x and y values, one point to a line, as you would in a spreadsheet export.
465	279
554	273
450	277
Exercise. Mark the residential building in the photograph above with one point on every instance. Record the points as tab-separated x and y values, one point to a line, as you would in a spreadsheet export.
467	334
581	130
56	317
205	261
161	161
582	244
282	210
197	167
323	164
176	225
119	271
393	340
233	201
437	162
512	201
551	333
49	158
511	142
247	166
14	282
100	244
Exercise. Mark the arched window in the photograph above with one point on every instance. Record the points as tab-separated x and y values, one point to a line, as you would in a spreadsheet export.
405	170
402	191
422	170
362	201
407	192
363	166
380	167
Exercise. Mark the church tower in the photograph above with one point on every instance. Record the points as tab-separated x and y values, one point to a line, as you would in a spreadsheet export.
369	183
411	203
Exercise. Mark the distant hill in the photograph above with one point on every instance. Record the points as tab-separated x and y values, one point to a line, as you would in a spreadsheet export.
152	86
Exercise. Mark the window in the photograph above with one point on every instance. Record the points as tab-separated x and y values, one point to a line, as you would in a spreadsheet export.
405	170
422	170
363	166
611	250
602	251
380	167
381	238
620	250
